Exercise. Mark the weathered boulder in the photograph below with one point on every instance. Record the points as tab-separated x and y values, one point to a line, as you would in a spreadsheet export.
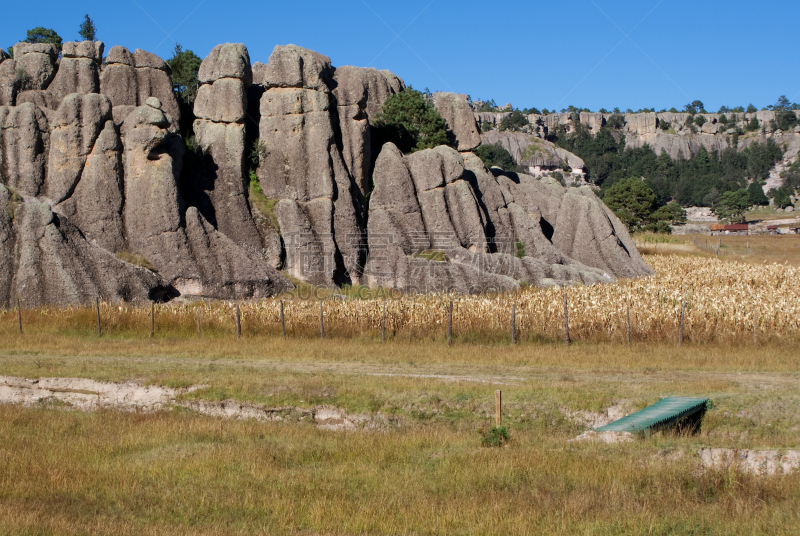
92	50
38	63
24	142
227	270
73	132
291	66
8	80
360	94
220	107
185	249
96	204
537	154
460	119
154	209
224	101
78	70
221	177
130	79
6	243
302	162
230	60
41	98
55	265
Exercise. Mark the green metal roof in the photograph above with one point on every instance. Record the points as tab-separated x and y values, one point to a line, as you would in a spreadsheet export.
663	413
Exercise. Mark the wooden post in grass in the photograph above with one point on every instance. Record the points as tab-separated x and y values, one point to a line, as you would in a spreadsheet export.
450	324
152	319
628	332
683	313
283	323
19	315
198	323
566	321
238	323
321	322
498	407
513	323
383	322
97	309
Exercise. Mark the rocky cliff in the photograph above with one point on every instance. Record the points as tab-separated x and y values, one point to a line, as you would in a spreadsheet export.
99	197
661	131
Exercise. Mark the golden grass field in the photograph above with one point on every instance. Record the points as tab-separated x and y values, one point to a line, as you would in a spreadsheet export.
421	469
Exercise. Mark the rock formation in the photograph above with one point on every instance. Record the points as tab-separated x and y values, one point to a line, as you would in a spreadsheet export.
665	131
439	220
94	169
220	179
457	113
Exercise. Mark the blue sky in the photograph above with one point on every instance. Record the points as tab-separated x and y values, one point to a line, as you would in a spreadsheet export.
586	53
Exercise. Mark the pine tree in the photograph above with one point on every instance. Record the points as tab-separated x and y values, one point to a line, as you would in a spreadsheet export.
88	30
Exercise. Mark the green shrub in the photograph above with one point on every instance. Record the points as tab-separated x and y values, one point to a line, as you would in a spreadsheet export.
495	154
497	436
411	122
515	121
519	249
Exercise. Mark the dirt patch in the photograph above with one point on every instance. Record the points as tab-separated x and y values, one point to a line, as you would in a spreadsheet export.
761	462
86	394
90	395
605	437
596	419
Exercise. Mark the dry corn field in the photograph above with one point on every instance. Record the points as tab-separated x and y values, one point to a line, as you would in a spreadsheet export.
724	301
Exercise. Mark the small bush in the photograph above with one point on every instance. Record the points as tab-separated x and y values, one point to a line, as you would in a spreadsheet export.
616	122
14	200
497	436
495	154
515	121
519	249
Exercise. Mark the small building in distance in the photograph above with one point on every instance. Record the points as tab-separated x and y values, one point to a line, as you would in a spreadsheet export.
730	229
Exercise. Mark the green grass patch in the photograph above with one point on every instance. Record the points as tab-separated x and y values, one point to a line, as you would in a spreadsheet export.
132	258
265	205
433	255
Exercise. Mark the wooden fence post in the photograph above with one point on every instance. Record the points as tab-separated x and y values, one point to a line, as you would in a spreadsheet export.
152	319
283	323
498	407
683	313
19	315
321	321
383	322
513	323
238	323
97	308
450	324
628	332
566	321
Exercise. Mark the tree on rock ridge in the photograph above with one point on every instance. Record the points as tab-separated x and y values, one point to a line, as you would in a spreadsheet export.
44	35
411	122
88	31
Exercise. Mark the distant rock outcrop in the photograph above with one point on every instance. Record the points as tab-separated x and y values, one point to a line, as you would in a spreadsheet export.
667	131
